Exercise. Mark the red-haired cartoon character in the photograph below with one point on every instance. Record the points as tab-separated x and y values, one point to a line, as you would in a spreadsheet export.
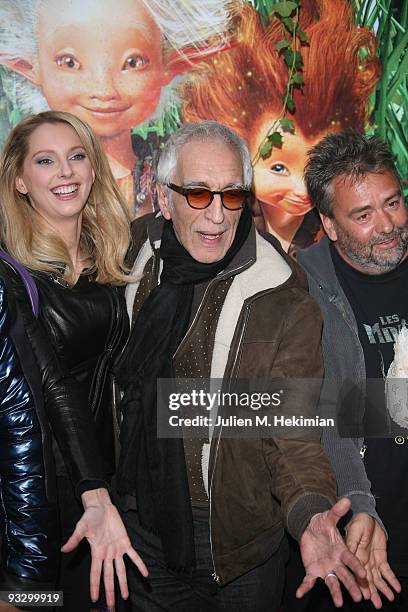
243	89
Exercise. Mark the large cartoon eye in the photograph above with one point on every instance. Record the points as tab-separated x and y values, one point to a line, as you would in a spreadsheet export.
135	62
67	61
280	169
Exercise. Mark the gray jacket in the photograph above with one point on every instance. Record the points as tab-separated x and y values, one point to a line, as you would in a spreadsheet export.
344	367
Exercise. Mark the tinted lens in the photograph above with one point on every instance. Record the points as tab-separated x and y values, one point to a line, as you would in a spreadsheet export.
234	198
199	198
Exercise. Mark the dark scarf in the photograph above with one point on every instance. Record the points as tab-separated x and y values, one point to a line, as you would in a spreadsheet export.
155	468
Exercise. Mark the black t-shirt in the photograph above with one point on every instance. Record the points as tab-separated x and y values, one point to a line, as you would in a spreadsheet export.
380	307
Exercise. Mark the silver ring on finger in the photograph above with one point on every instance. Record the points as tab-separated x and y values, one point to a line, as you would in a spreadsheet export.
329	575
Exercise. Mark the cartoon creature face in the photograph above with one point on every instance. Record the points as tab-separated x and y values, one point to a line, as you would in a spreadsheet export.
100	60
278	180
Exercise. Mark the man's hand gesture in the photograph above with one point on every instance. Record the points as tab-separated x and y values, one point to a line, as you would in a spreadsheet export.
366	539
325	555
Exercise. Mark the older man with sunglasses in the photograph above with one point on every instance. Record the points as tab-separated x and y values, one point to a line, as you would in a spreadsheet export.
216	299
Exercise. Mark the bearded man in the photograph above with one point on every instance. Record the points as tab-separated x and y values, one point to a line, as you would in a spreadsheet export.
359	276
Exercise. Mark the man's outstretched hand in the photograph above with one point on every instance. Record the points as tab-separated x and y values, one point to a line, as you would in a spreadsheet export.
325	555
367	540
102	526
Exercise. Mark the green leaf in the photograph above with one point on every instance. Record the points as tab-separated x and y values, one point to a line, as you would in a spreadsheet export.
399	51
287	125
285	9
265	149
283	44
276	139
298	60
289	24
302	36
297	79
398	135
288	57
398	79
290	105
293	59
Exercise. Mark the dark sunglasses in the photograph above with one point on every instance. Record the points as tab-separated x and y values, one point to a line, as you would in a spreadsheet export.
200	197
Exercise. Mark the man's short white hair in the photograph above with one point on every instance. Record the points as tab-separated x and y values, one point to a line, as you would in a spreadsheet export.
202	130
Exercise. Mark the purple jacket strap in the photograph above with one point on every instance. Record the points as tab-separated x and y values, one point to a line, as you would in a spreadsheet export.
27	279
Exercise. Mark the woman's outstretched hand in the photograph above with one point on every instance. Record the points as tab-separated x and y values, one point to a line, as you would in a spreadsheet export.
103	527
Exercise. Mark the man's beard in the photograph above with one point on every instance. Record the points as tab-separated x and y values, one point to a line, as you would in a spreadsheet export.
369	259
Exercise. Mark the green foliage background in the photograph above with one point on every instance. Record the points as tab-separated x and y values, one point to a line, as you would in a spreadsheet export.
389	20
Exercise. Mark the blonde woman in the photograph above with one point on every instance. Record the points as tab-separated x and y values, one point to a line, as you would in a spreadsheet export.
62	216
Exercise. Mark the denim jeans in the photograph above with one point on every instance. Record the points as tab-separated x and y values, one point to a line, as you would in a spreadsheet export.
258	590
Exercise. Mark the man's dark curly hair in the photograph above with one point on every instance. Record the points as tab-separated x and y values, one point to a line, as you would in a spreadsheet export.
350	155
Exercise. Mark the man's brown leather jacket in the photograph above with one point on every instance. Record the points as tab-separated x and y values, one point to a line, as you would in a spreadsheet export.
269	327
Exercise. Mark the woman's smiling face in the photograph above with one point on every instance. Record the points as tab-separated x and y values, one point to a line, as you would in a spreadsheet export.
278	180
100	60
57	175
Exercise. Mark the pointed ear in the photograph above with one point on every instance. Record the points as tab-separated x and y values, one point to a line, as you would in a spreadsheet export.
181	61
329	226
21	66
20	186
163	199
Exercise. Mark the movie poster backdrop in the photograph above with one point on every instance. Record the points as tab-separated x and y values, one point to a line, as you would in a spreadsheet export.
282	74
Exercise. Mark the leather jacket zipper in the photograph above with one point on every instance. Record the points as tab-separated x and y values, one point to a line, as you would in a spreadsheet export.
214	574
210	284
102	366
243	328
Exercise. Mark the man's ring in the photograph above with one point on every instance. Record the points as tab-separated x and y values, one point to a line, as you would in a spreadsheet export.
328	575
